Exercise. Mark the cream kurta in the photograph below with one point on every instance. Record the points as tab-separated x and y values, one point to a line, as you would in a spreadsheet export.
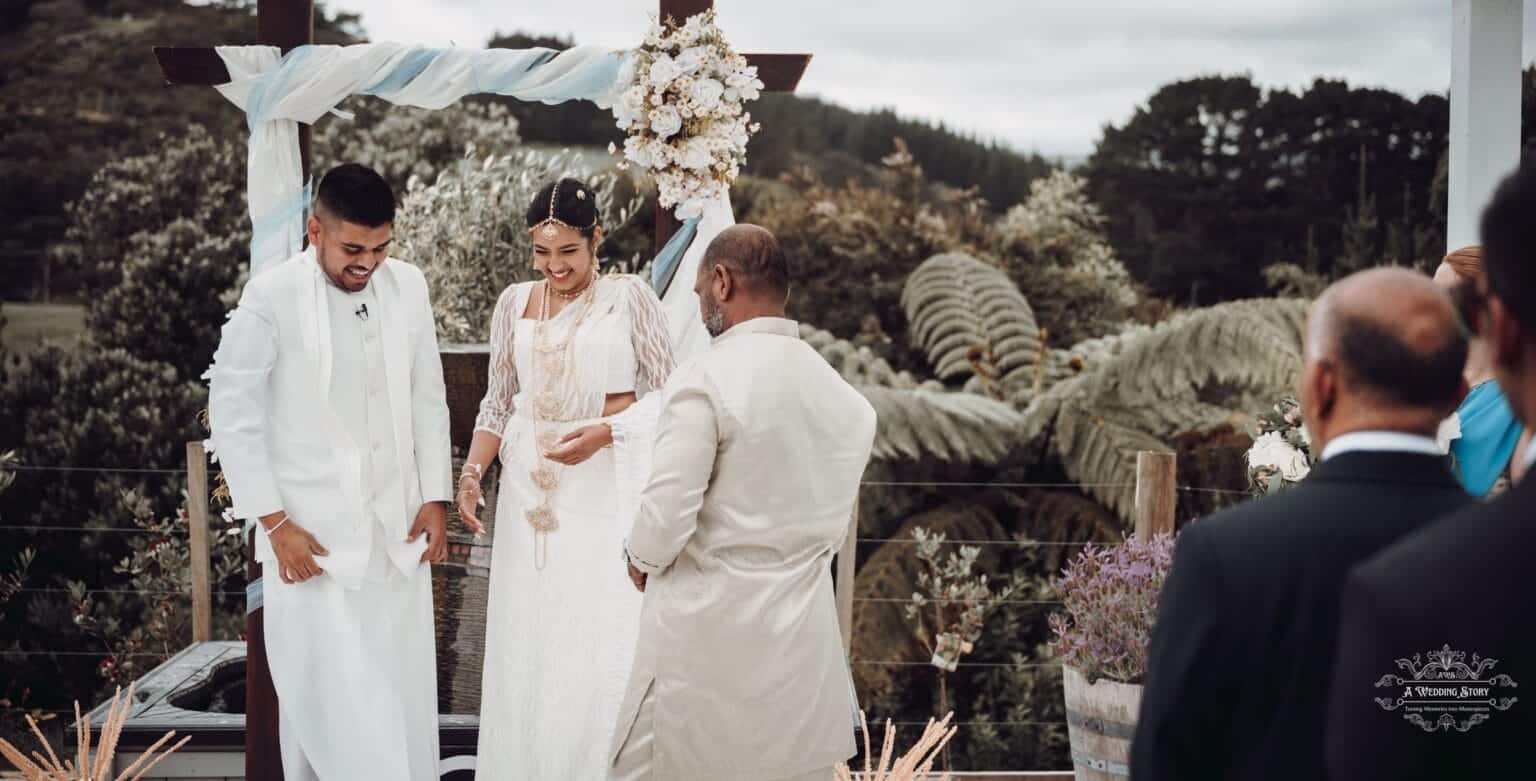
759	451
341	421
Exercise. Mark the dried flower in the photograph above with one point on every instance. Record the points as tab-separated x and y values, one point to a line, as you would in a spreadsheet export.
86	767
915	764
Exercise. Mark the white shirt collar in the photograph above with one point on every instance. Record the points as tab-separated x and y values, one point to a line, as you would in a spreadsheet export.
1530	453
777	326
1381	442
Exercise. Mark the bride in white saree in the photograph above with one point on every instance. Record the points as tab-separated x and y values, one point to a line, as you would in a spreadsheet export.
570	411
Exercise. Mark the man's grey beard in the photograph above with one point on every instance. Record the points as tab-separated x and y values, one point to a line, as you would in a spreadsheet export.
714	320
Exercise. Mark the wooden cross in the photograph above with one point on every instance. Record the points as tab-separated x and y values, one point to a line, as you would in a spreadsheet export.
288	24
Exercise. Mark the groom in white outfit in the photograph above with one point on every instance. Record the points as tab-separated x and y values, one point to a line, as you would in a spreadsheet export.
330	420
740	671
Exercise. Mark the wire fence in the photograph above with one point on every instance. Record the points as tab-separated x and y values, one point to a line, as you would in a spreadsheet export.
1018	543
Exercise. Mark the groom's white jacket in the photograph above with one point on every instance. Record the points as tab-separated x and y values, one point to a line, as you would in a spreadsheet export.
280	444
759	451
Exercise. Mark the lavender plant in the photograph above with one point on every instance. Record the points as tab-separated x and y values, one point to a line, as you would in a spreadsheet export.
1109	603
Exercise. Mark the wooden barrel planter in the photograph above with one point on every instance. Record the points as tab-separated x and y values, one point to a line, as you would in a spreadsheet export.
1101	719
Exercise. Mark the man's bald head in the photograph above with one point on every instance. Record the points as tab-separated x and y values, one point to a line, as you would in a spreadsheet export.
752	255
1394	337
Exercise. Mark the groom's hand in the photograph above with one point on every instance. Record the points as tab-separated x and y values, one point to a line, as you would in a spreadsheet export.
432	520
295	549
638	578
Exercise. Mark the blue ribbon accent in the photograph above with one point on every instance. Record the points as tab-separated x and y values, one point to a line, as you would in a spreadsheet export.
272	85
664	268
295	208
409	68
253	596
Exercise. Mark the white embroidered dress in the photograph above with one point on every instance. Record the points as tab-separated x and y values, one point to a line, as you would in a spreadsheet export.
560	638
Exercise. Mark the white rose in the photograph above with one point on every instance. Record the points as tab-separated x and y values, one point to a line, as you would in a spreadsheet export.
666	122
1272	450
638	151
706	94
697	157
654	36
691	60
663	70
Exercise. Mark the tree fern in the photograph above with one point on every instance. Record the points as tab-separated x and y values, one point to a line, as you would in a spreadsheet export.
972	321
917	424
1193	373
860	365
1243	344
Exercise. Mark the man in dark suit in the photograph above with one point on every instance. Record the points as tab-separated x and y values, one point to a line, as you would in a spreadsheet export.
1458	585
1237	673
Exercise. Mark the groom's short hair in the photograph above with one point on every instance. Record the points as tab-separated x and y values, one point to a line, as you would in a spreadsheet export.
357	194
754	257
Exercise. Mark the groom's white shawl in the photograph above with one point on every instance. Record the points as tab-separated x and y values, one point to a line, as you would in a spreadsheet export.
759	452
281	445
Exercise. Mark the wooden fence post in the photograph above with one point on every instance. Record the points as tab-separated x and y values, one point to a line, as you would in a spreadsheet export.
197	523
847	558
1156	493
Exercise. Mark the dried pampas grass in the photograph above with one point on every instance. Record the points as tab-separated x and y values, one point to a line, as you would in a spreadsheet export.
914	765
86	767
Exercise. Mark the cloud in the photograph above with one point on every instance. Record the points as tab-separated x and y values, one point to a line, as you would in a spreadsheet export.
1042	76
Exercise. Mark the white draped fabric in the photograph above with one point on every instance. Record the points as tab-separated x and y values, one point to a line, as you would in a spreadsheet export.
279	92
680	302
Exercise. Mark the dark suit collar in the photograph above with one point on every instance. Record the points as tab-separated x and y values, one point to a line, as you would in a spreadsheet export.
1363	466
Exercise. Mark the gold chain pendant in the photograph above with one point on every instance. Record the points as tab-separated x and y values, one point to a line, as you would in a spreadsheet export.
552	362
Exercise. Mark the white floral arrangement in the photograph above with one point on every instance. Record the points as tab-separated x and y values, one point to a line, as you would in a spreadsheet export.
1281	455
684	110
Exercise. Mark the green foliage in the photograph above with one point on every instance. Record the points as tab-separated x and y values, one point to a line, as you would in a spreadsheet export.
192	175
851	248
405	143
887	580
1214	178
467	233
1054	247
160	240
89	408
139	631
82	89
973	323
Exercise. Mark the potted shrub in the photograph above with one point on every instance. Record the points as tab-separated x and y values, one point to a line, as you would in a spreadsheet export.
1109	603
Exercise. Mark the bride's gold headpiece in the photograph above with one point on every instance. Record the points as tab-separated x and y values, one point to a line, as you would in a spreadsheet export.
548	228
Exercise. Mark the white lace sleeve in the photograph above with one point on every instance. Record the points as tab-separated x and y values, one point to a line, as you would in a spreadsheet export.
649	335
501	386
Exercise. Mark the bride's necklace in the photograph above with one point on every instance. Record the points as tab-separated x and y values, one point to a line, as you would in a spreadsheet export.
553	360
574	294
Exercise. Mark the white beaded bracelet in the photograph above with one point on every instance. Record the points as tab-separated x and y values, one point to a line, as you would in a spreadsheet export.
268	532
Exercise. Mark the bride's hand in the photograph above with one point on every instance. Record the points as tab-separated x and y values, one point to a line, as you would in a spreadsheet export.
469	500
579	445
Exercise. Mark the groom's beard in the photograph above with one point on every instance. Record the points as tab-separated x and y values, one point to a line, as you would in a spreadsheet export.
714	319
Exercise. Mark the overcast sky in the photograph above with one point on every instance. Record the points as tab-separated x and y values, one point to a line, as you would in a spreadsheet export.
1041	76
